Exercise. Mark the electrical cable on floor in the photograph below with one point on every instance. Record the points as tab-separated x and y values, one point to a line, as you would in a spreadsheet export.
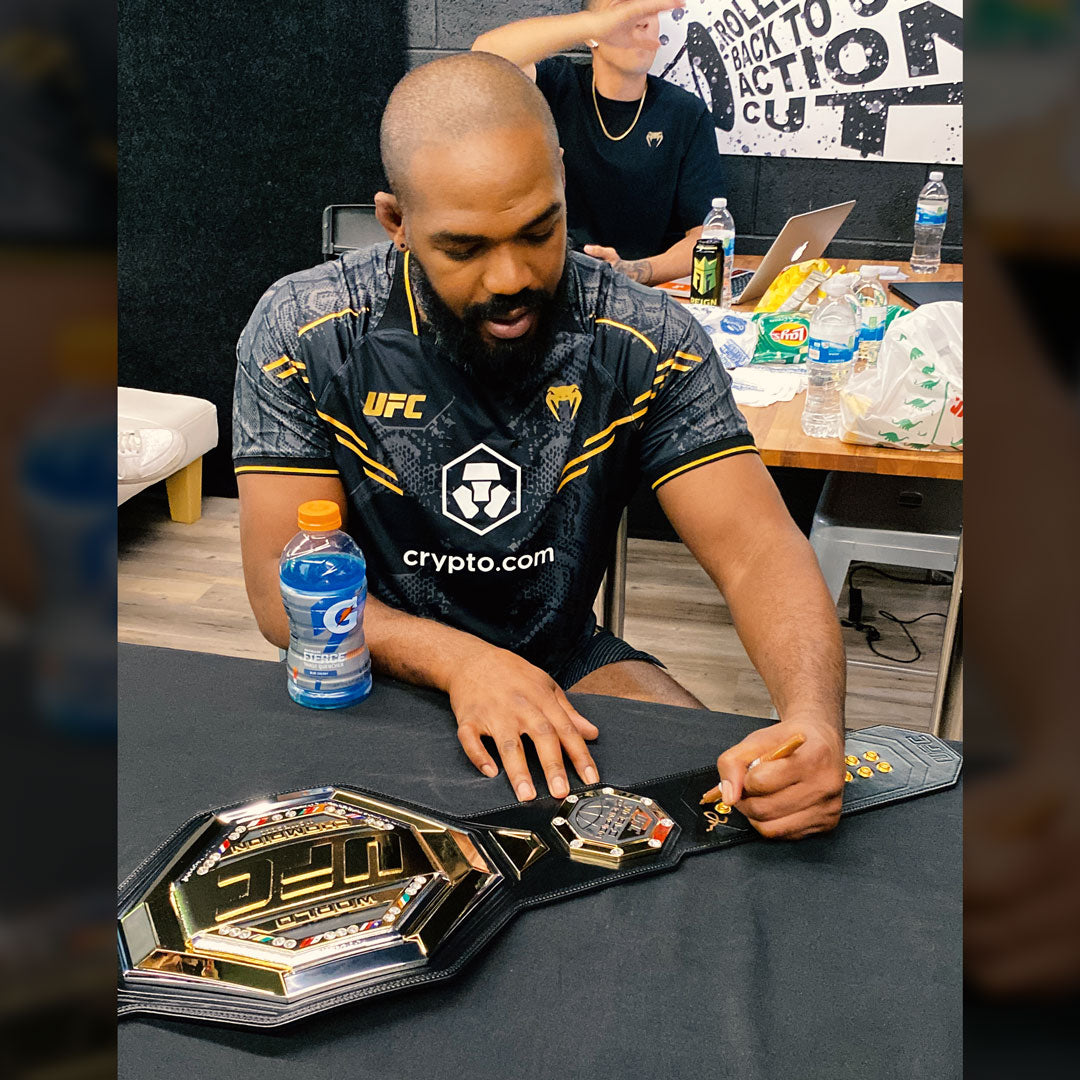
854	619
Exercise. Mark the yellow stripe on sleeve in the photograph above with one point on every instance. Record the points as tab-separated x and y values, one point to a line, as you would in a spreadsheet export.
284	469
614	424
363	457
566	479
689	356
276	363
342	427
642	397
584	457
326	318
622	326
385	483
285	373
704	460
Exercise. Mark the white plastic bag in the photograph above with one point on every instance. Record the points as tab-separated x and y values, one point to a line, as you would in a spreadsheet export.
913	397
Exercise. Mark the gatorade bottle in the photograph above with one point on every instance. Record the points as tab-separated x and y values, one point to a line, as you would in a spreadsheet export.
324	586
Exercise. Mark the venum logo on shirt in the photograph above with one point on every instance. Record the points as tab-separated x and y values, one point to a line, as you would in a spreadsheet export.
481	490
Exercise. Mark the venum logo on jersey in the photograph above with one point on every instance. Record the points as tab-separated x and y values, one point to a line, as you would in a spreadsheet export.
481	490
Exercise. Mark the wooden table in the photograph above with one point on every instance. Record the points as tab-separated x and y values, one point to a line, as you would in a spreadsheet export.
777	429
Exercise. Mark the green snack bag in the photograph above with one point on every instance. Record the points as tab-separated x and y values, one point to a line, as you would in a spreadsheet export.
783	337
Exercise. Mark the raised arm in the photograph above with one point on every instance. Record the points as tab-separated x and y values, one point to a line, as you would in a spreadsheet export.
530	40
493	692
732	518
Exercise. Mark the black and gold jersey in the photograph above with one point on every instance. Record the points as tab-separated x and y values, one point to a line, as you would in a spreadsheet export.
492	517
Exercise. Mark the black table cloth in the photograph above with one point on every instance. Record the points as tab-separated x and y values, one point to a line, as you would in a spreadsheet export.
836	956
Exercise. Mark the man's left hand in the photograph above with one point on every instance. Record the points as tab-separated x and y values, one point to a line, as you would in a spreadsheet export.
795	796
637	269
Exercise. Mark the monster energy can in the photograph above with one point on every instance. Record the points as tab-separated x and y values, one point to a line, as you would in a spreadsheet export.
707	276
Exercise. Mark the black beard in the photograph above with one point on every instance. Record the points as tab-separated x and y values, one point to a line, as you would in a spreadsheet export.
506	368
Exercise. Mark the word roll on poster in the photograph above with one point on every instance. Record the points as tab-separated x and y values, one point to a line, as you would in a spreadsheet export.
874	79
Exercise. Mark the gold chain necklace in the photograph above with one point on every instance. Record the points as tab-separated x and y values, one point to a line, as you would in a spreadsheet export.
596	106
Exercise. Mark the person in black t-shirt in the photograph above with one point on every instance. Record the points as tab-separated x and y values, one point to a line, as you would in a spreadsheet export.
640	154
480	404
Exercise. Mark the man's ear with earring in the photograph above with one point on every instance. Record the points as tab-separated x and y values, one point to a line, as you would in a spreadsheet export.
388	214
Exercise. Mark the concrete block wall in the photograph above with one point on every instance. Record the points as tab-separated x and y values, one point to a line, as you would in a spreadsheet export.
762	191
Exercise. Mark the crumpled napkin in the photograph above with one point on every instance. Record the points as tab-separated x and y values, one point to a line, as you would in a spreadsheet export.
765	384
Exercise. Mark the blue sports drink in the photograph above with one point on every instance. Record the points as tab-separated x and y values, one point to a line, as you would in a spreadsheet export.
324	587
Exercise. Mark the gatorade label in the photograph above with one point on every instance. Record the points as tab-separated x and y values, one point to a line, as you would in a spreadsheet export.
338	618
829	352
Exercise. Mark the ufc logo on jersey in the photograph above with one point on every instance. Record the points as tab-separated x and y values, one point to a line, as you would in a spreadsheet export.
385	405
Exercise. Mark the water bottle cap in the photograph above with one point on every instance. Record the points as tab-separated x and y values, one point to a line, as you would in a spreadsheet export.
719	203
935	175
319	515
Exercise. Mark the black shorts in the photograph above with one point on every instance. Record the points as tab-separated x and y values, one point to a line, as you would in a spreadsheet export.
602	648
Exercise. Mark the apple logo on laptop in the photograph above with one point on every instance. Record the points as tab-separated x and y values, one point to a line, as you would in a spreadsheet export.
799	250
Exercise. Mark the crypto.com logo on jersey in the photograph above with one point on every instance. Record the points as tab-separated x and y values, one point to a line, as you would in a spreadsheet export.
875	79
481	490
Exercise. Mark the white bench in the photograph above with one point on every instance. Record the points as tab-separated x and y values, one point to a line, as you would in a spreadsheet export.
196	419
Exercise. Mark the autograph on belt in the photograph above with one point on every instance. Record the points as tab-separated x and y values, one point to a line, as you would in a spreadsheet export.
714	819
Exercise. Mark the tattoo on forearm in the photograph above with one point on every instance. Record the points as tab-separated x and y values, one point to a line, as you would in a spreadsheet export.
638	269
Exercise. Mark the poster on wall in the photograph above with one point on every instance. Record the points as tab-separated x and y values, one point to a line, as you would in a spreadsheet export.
878	80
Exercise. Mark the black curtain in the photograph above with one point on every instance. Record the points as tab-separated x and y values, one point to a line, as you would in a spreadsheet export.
238	122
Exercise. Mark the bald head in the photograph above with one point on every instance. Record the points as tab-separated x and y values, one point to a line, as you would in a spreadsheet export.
448	100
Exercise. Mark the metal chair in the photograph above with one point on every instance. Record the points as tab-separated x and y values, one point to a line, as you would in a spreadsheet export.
609	607
348	226
900	520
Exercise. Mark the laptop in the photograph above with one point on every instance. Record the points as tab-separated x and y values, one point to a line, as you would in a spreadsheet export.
927	292
804	236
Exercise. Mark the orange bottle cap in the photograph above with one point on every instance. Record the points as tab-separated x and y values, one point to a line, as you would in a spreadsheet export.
319	515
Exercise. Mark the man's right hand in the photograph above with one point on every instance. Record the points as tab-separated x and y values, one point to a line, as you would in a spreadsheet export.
619	18
500	695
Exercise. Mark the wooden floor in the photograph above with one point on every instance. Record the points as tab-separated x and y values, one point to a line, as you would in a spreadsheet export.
182	586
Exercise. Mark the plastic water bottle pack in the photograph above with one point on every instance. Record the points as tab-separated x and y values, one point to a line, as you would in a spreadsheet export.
324	587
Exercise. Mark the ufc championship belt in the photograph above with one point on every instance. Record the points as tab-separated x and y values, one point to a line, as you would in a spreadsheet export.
268	912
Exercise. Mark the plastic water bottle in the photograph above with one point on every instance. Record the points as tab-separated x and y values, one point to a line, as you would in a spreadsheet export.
872	307
324	586
930	213
719	225
829	359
